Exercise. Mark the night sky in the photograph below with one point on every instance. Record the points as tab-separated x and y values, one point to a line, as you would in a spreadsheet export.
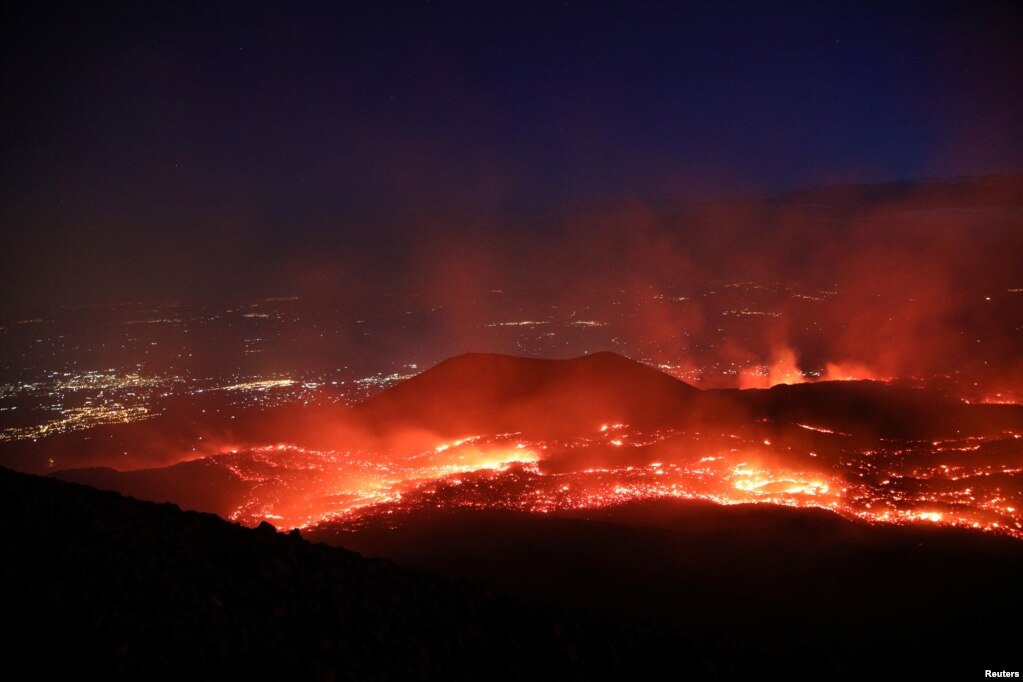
157	150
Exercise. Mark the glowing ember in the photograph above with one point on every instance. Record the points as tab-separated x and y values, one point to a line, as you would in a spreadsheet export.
819	429
597	431
294	487
942	482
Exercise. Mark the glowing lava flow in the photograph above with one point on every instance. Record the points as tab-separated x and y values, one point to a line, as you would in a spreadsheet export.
293	487
971	482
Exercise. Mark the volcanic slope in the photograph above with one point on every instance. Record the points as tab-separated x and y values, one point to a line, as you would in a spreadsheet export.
102	584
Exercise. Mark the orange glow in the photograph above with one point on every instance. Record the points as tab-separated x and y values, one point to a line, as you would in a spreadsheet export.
297	487
603	431
782	369
1005	398
851	371
936	517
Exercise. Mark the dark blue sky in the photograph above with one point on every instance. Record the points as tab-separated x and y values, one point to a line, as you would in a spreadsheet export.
144	124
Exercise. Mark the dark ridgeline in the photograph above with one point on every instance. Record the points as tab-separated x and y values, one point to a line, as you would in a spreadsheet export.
817	593
488	392
96	584
492	392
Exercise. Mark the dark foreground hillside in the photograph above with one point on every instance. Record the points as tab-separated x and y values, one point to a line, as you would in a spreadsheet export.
809	589
96	583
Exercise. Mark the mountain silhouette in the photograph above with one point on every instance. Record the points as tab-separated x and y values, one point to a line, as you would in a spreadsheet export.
202	485
875	408
501	392
98	584
482	392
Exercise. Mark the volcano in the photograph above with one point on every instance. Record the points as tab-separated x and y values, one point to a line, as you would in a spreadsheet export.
593	431
489	392
783	521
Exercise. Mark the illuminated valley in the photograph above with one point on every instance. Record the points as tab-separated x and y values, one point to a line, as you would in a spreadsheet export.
973	482
277	430
498	432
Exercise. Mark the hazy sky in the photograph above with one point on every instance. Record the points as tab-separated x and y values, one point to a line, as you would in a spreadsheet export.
163	149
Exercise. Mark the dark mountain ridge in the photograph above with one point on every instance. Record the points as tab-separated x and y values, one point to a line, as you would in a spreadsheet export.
503	392
98	584
480	392
841	597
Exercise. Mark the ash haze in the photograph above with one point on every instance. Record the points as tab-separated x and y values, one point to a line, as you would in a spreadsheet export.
169	151
579	157
485	289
